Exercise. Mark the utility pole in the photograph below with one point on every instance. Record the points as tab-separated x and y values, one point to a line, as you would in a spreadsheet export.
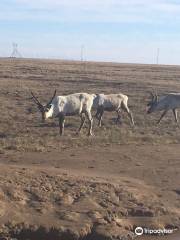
157	58
82	53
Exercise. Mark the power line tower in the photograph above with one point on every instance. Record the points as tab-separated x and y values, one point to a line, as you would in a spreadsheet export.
15	53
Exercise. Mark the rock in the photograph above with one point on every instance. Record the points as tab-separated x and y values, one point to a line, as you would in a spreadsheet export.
2	208
66	200
69	216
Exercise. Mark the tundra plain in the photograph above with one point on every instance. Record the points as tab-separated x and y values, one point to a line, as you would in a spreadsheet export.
79	187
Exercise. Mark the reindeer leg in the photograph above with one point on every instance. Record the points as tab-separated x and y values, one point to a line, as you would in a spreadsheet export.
97	114
126	109
175	114
100	119
100	111
90	119
131	117
163	114
118	119
82	121
61	124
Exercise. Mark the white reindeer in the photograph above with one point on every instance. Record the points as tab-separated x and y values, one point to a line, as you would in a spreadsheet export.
111	102
170	101
69	105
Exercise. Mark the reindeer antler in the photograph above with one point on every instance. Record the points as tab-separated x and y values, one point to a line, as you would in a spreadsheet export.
51	98
36	100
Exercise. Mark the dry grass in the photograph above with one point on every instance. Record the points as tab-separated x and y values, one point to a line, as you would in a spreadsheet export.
20	127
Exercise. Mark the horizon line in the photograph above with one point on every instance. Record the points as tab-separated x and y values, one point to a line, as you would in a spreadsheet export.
86	61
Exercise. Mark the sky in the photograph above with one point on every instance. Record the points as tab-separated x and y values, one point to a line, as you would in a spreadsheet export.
126	31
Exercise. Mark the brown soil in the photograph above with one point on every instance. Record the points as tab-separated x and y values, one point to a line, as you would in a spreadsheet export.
79	187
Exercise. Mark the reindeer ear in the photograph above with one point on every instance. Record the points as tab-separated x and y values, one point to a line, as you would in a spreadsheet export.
150	93
156	98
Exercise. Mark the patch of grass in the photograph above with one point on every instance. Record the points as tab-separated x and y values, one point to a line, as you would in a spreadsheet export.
20	126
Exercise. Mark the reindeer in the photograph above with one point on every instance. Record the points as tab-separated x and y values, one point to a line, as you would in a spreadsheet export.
170	101
69	105
111	102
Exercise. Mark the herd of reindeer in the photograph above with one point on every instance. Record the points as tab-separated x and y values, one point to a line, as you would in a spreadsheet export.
82	104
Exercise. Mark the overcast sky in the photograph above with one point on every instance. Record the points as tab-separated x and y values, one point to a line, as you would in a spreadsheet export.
110	30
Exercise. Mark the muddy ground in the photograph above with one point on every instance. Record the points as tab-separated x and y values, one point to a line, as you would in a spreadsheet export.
79	187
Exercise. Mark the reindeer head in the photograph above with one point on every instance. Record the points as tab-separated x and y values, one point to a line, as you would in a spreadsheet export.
44	109
152	103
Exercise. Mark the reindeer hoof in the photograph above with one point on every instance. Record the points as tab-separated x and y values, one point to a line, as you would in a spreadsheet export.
77	133
90	134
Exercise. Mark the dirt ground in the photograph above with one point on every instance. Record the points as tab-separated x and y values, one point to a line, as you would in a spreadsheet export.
79	187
